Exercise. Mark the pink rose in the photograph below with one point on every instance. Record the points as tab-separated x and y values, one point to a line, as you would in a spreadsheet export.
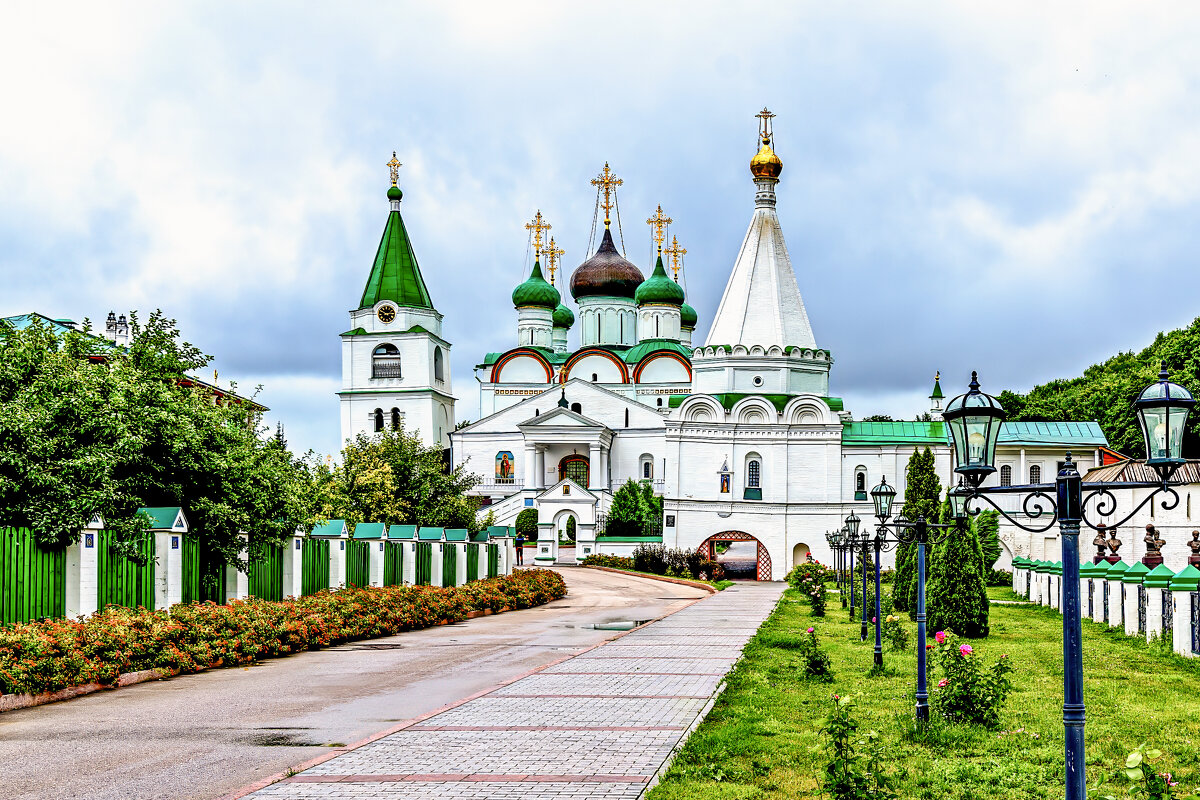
872	620
965	649
942	683
810	630
940	636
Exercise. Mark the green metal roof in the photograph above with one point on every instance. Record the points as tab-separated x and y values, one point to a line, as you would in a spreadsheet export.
729	399
456	535
1186	580
402	532
163	518
644	348
334	527
395	275
498	531
1034	433
895	432
430	534
937	389
370	530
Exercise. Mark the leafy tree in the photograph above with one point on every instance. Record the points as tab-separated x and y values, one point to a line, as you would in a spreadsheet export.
627	515
652	506
527	522
958	599
988	525
878	418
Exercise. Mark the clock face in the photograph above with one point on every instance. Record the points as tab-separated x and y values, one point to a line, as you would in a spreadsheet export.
387	314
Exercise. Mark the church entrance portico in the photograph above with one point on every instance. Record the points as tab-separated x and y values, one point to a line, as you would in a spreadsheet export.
761	566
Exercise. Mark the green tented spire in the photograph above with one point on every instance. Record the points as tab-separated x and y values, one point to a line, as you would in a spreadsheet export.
395	275
937	387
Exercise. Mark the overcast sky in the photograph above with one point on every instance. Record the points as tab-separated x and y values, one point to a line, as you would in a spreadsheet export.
1011	188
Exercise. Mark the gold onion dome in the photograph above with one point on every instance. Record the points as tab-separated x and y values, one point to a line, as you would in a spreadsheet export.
606	274
765	163
536	292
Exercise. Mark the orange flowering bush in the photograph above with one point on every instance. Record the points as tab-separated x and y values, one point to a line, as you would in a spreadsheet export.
55	654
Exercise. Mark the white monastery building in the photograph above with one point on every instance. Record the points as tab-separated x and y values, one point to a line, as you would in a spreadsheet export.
740	434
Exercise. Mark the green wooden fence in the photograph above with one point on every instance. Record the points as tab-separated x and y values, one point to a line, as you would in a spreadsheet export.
190	548
122	581
314	566
493	560
266	574
449	563
358	562
472	562
34	579
424	563
393	564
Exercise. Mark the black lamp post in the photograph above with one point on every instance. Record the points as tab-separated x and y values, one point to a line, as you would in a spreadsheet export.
914	532
862	542
848	545
975	419
831	540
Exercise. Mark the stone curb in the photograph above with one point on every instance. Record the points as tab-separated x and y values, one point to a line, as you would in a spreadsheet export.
647	576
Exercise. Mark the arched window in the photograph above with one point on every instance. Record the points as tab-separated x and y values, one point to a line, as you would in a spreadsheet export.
439	371
627	418
594	377
660	402
378	420
577	408
385	362
1035	474
860	483
647	466
754	473
1006	475
395	419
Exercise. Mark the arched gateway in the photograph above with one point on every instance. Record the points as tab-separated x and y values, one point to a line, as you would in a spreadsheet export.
764	558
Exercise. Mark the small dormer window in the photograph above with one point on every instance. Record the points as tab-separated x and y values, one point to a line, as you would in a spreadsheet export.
577	408
595	377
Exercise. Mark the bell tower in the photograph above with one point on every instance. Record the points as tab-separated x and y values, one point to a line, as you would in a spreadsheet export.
395	363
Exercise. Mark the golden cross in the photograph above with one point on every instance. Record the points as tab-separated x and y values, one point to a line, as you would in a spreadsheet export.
608	183
675	251
552	254
394	166
764	125
537	226
659	223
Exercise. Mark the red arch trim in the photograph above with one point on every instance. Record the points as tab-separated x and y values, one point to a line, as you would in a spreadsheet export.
598	352
511	354
637	371
764	558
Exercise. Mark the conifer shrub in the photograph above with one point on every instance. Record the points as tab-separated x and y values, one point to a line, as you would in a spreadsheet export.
958	599
987	526
906	564
969	692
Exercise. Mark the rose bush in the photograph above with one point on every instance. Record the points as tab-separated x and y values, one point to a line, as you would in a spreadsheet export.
969	692
809	581
55	654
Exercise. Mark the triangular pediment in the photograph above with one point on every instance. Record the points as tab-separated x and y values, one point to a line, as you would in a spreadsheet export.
577	492
561	418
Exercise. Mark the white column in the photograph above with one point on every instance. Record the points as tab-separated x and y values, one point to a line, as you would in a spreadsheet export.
168	547
237	583
1131	609
482	569
531	481
435	572
510	559
594	476
1181	635
1083	596
585	540
375	563
337	562
460	563
293	566
547	544
1023	477
1154	611
408	566
1116	613
1098	600
82	580
606	482
540	466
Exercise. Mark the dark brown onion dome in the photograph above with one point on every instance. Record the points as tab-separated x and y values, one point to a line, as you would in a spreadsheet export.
606	274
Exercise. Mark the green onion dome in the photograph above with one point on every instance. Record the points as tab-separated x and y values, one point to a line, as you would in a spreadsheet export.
536	292
563	318
659	289
394	193
687	317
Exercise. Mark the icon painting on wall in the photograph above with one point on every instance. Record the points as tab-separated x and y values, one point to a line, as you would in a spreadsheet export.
504	465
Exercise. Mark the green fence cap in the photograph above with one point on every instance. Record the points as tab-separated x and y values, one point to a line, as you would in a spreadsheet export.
1159	577
402	532
1186	580
370	530
1056	568
456	534
430	534
1136	573
166	518
1041	566
1093	570
1116	571
334	527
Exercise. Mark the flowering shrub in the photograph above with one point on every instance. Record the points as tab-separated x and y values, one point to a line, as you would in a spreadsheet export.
658	560
602	560
895	633
809	581
855	768
968	692
1143	780
55	654
814	660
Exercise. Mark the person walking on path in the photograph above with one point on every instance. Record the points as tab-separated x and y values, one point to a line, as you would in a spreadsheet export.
520	549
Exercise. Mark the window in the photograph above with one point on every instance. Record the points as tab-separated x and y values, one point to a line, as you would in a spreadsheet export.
577	408
439	371
378	416
627	418
594	377
660	402
385	362
1035	474
647	468
575	468
753	474
395	419
646	462
860	483
1006	475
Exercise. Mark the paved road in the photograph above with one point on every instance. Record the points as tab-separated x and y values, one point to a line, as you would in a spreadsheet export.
597	726
202	736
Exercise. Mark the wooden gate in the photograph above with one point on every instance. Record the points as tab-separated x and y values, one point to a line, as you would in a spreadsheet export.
33	578
314	566
493	560
393	564
764	558
358	562
424	563
122	581
472	562
266	574
449	563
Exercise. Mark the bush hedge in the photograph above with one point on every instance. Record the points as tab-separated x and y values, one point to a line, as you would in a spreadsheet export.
658	560
56	654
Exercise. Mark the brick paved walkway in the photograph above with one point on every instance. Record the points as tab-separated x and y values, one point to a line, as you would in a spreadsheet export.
599	725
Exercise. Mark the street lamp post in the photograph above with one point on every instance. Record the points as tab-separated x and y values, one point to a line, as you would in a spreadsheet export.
915	532
852	524
974	420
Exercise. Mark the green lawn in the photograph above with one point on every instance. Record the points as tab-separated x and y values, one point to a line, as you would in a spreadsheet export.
761	739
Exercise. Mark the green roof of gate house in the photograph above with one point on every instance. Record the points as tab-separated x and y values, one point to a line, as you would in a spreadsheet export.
370	530
1186	580
895	432
501	531
430	534
1159	577
402	532
1116	571
456	535
334	527
164	518
395	275
1135	573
